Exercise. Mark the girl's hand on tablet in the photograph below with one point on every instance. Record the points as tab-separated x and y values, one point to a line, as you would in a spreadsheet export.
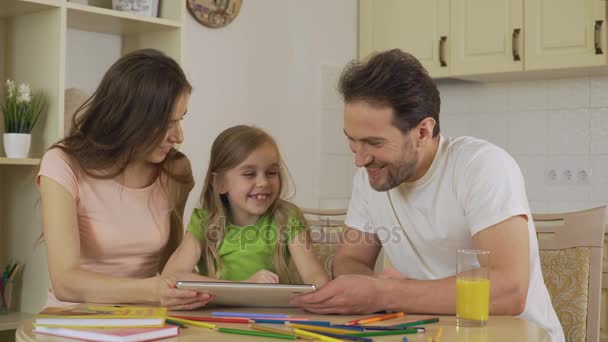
263	277
177	299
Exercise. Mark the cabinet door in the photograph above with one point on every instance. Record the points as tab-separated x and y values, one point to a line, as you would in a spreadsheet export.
486	35
565	33
419	27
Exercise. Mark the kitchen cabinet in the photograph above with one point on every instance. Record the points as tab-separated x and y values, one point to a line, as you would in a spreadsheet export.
419	27
564	33
486	36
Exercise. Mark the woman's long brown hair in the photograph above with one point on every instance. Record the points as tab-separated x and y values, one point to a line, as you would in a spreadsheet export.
126	117
229	150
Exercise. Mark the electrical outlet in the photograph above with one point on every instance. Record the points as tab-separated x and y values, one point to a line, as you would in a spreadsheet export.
568	176
583	176
551	177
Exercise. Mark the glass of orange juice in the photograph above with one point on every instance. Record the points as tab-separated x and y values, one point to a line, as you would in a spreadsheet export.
473	288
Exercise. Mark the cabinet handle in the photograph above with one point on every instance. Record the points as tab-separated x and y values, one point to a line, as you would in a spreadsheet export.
597	37
515	43
442	61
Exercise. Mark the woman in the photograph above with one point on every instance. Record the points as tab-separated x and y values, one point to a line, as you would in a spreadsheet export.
114	190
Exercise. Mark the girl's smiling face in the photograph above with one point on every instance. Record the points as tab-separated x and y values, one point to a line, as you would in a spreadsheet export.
253	185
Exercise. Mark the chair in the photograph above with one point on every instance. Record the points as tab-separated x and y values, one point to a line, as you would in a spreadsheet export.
570	248
325	227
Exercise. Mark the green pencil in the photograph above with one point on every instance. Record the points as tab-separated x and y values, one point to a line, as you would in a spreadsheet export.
384	333
411	324
256	333
172	322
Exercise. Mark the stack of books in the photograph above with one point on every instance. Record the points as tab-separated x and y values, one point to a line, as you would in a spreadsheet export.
105	323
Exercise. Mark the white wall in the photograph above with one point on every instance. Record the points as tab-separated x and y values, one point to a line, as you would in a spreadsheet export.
274	67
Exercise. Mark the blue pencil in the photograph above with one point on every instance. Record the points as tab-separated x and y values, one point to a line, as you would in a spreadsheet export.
247	315
349	327
317	323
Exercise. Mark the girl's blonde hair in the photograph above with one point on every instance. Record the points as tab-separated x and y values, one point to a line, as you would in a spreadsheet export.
229	150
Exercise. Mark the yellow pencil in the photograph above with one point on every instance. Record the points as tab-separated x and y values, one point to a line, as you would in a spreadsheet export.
315	336
278	331
193	323
321	328
380	318
438	335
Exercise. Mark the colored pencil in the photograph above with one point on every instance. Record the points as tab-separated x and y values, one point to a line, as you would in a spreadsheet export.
321	329
283	321
348	327
248	315
2	295
412	323
347	337
256	333
172	322
438	335
215	319
384	333
15	272
316	336
318	323
376	318
193	323
275	330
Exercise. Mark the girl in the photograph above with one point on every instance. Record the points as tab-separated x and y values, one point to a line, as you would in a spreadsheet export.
245	231
113	191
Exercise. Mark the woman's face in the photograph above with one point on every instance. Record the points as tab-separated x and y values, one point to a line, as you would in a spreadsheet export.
174	134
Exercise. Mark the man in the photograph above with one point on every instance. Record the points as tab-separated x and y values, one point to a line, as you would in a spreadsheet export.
423	197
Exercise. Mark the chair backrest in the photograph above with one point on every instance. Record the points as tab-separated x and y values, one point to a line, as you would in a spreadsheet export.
570	248
325	229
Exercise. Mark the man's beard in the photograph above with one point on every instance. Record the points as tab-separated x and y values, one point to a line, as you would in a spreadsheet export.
397	174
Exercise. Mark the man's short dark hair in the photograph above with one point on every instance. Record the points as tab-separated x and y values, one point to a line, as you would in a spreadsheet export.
395	79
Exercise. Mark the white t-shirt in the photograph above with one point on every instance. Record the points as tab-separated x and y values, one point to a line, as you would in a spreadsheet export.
471	185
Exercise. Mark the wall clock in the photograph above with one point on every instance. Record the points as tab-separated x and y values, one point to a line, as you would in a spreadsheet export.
214	13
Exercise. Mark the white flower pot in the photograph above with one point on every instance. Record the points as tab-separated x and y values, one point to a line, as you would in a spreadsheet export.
17	145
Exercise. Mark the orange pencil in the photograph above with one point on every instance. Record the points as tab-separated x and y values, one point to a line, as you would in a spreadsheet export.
376	318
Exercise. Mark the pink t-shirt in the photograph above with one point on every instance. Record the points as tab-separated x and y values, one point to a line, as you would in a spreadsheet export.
123	231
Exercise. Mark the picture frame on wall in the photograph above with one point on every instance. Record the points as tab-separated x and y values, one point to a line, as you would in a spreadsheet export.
147	8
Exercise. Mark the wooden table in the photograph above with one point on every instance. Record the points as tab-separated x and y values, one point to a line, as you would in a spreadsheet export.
499	328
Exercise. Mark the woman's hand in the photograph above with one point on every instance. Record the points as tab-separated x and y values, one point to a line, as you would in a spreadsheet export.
177	299
264	277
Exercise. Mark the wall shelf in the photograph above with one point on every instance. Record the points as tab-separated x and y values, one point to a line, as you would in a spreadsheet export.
13	8
19	161
97	19
12	320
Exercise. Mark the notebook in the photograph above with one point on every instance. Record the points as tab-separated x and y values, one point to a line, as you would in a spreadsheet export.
112	335
89	316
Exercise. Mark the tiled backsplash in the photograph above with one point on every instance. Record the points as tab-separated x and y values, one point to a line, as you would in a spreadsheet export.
545	125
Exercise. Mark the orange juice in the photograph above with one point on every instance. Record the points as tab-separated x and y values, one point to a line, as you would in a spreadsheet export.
473	299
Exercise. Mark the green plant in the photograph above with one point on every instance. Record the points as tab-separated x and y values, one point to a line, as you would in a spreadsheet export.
21	109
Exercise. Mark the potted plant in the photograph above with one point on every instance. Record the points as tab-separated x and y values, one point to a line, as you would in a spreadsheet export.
21	110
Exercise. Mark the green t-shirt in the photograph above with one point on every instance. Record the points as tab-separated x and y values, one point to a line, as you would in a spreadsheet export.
244	250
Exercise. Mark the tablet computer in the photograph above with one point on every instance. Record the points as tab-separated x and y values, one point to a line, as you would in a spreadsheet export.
247	294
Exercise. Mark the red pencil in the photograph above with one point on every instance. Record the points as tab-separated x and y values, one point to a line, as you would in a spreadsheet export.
215	319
